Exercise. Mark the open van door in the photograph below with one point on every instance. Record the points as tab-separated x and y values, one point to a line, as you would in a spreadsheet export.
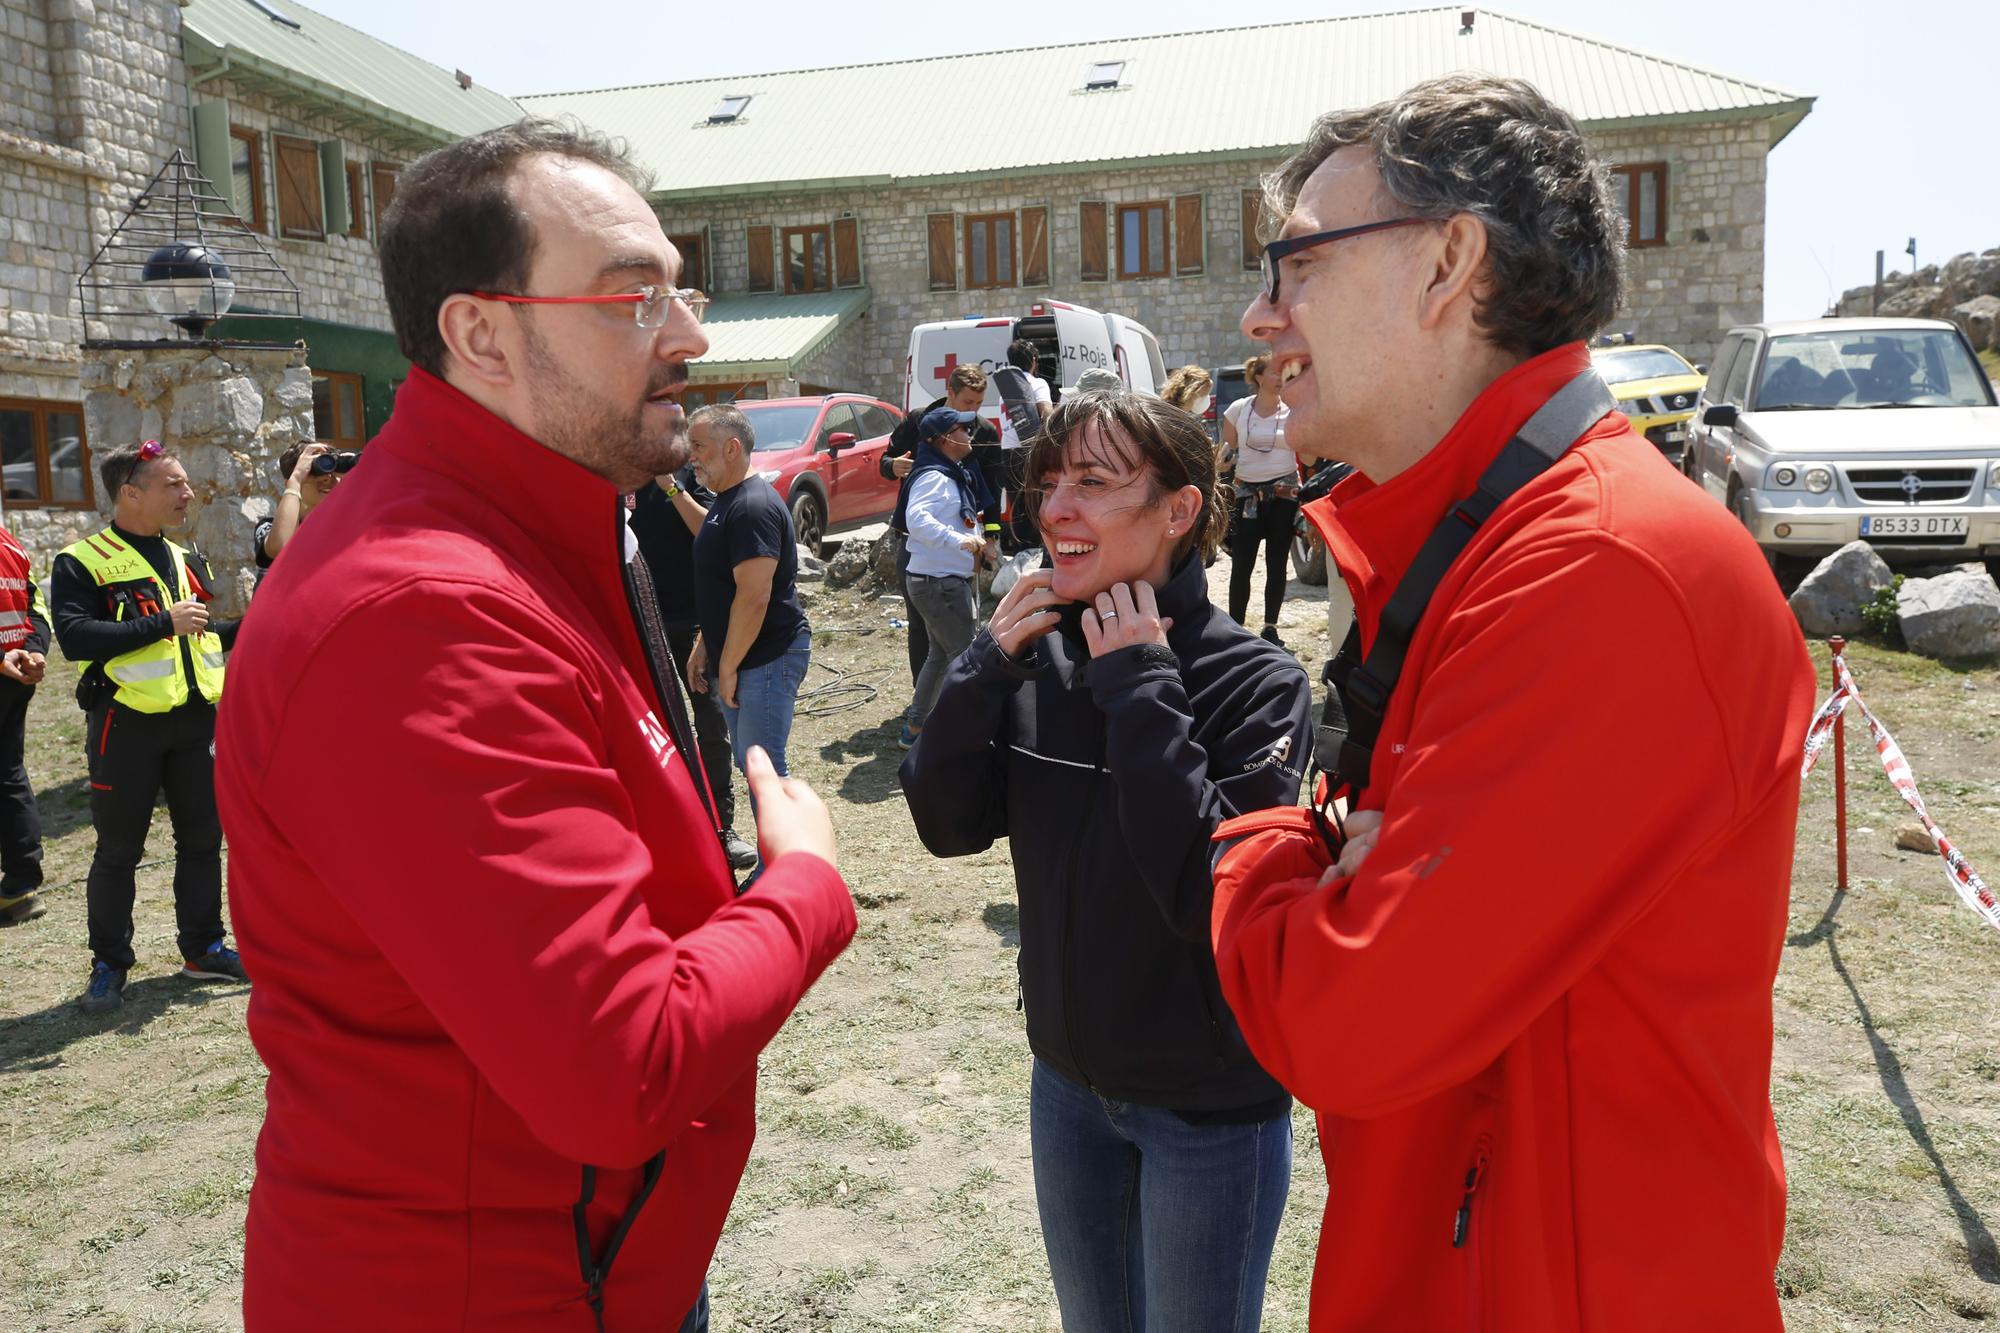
1136	354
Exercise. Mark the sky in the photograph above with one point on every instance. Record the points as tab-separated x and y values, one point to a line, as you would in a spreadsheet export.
1903	141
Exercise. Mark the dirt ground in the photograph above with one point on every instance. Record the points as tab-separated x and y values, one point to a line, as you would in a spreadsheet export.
890	1188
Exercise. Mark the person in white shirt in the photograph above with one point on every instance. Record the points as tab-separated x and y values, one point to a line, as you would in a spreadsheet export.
1267	493
1025	403
946	542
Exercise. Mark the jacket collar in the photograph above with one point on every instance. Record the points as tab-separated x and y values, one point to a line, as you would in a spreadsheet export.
1374	532
440	429
1183	598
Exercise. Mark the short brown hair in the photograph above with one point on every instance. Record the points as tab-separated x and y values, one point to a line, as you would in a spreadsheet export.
965	377
1173	445
1186	384
1497	150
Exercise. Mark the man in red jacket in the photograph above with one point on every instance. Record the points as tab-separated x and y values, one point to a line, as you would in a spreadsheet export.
1531	1002
507	991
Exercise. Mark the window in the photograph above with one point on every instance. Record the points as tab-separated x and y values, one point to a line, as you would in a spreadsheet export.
337	409
989	250
1718	373
1253	218
875	421
1142	240
1738	385
1104	74
839	417
1190	236
1093	252
1641	193
846	252
762	277
382	180
943	229
727	110
693	247
246	175
1034	247
357	217
44	457
301	213
808	266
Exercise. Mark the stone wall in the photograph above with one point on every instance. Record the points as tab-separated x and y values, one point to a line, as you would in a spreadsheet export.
1708	276
225	412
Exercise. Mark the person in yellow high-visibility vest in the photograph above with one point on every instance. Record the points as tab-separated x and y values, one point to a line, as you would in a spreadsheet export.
131	611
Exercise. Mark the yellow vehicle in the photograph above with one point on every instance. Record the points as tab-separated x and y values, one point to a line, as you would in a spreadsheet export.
1656	387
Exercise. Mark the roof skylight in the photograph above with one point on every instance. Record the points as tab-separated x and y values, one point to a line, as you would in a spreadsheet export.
1104	74
727	110
275	14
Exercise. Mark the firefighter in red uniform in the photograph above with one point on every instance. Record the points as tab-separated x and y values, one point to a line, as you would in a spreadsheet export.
24	640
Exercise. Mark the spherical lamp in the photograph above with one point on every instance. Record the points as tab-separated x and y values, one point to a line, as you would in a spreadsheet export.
189	285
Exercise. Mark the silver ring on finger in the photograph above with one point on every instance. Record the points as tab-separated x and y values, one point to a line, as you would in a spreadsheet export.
1107	615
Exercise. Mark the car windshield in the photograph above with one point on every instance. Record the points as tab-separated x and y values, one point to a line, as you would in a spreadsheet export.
1869	368
1639	363
780	427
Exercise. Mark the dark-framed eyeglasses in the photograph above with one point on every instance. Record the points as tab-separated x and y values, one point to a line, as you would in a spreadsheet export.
148	451
1291	245
649	304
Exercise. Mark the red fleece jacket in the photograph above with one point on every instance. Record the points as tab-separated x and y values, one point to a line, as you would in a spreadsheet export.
1537	1024
492	932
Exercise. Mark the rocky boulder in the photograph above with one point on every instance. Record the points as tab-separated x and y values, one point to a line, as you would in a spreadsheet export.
1951	616
1829	600
853	562
812	569
1979	317
884	555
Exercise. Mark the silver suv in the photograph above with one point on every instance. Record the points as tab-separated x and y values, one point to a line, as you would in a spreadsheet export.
1822	431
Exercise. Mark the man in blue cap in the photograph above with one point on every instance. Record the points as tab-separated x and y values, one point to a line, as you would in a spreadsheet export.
946	541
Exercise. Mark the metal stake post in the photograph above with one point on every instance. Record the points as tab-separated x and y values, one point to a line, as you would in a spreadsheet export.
1839	646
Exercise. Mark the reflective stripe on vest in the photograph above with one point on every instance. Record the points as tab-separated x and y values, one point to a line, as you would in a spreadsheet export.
149	679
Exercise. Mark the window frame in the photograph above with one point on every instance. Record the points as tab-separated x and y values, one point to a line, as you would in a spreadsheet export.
1252	214
298	144
825	232
40	409
1142	209
693	275
335	379
357	216
1633	175
991	252
377	205
255	139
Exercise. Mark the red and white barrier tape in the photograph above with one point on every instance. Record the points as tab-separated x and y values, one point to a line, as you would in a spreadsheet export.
1964	879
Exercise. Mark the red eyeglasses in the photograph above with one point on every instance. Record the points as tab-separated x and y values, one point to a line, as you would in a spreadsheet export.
650	304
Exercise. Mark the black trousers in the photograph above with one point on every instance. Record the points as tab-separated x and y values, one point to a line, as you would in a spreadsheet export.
1271	531
919	634
711	729
134	757
20	821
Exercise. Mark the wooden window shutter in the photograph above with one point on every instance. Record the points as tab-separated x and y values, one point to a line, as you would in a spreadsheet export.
763	275
334	216
213	154
1093	247
1035	247
1253	217
299	212
357	218
944	251
1190	236
382	186
846	252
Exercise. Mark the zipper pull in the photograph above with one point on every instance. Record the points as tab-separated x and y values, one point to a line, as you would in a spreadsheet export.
1462	1224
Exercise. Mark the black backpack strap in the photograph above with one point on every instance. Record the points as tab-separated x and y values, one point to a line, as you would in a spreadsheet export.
1358	690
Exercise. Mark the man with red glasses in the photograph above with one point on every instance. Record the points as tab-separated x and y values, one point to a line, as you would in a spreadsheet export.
1530	994
512	1023
131	610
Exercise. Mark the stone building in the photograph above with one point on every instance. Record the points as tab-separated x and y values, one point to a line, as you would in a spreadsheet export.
1122	175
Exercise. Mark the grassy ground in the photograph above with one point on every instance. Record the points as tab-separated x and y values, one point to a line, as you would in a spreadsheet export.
891	1189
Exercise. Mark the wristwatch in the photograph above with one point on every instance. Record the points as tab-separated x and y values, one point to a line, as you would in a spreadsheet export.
673	490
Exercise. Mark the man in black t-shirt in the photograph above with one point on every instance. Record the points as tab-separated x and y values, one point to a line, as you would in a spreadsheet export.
664	515
754	645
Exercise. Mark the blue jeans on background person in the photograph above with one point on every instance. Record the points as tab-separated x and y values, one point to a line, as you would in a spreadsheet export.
1152	1224
765	698
945	605
697	1318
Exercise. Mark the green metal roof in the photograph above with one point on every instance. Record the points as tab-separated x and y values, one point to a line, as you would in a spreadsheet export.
1237	92
336	69
764	337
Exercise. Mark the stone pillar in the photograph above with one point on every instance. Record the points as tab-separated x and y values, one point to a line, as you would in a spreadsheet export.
226	412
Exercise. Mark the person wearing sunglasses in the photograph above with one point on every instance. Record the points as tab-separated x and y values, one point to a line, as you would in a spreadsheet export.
1533	970
513	1023
131	610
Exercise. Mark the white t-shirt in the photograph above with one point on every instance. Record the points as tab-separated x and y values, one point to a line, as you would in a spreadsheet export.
1261	452
1009	437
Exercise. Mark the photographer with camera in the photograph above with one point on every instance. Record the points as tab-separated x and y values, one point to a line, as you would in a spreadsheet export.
311	471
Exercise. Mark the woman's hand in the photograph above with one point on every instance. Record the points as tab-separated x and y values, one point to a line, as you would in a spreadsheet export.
1125	617
1026	613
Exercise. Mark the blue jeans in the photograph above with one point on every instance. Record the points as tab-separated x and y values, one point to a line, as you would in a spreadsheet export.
697	1318
1154	1225
765	698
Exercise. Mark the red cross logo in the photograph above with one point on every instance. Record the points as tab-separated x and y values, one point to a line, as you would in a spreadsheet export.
950	364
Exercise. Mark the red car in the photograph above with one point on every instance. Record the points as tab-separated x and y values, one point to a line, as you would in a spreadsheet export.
824	456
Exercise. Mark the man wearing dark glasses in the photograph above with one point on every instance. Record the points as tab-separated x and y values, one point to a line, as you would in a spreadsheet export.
1535	967
131	610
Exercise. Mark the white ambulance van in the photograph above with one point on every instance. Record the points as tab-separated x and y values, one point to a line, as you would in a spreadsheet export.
1069	339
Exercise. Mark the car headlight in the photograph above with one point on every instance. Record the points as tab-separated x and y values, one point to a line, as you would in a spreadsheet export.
1993	476
1785	476
1819	480
1633	407
770	474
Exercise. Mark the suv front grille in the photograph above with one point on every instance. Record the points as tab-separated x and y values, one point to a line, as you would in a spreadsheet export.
1891	485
